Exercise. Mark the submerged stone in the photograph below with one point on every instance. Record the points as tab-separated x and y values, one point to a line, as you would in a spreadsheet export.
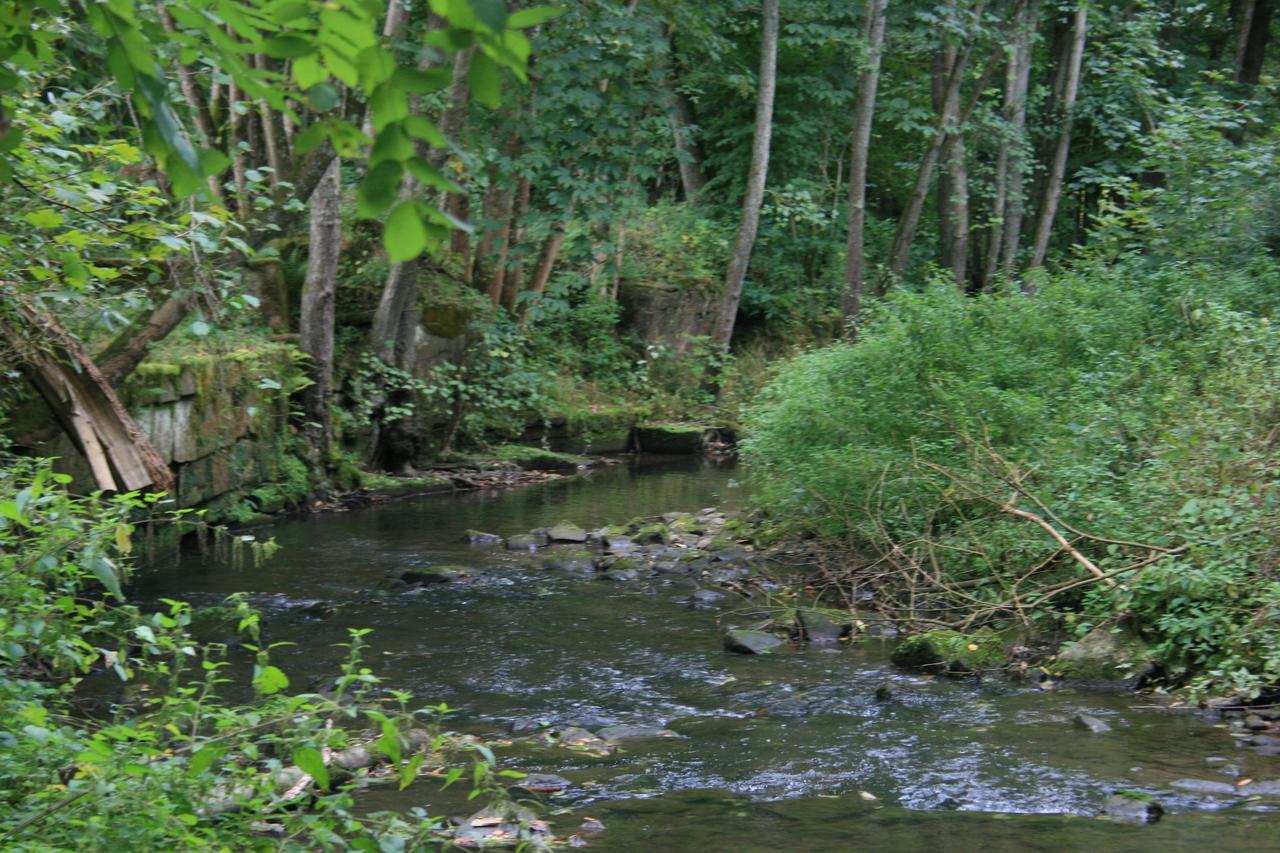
1132	807
613	734
565	532
746	642
526	542
479	537
817	626
1204	786
435	574
1090	724
545	783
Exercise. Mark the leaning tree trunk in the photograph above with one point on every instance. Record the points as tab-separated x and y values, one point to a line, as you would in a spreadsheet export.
754	197
317	304
1058	167
855	263
120	457
905	233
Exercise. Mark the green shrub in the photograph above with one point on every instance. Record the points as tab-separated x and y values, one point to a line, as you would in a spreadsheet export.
1130	401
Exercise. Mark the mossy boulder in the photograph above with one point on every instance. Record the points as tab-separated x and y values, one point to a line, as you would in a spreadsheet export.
652	534
951	652
670	438
537	459
1105	656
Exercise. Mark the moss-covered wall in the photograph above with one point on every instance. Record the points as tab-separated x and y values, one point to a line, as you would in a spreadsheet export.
220	421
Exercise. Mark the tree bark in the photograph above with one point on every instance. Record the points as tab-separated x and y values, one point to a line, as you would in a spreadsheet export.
235	135
270	132
683	117
1010	191
910	218
547	259
756	178
855	269
1255	33
120	457
200	115
1058	167
317	304
395	321
515	260
953	183
122	356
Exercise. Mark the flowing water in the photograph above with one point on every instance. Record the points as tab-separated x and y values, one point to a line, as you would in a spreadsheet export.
791	751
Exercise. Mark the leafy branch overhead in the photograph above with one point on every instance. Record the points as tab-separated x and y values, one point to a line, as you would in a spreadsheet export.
326	65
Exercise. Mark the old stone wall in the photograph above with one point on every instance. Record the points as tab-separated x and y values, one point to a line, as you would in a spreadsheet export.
221	422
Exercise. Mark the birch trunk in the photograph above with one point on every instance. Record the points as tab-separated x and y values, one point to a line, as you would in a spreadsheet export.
1058	167
756	178
855	264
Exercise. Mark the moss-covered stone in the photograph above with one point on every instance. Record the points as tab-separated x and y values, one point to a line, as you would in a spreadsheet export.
951	652
537	459
670	438
652	534
1105	655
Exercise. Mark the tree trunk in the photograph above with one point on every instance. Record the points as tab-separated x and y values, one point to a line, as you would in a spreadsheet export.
756	178
1058	168
131	346
120	457
317	304
910	218
235	135
395	321
515	275
547	258
270	131
1255	33
953	183
683	118
1009	201
200	115
855	264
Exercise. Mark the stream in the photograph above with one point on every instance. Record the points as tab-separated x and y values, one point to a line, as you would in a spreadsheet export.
789	751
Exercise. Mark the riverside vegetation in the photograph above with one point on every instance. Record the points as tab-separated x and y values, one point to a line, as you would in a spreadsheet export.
988	289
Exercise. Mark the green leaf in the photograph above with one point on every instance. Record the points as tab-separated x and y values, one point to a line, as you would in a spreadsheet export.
390	144
184	178
311	138
270	680
311	762
485	81
202	759
379	188
44	217
213	162
307	72
376	65
421	81
525	18
425	129
323	97
105	571
430	175
288	47
493	13
409	770
389	743
405	236
389	103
